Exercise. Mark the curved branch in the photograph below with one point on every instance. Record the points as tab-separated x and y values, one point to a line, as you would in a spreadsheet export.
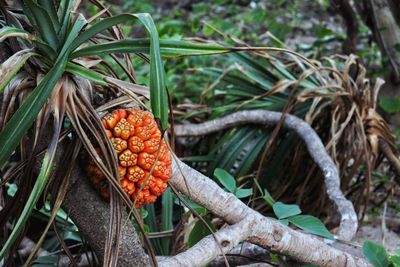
254	227
208	249
348	222
262	231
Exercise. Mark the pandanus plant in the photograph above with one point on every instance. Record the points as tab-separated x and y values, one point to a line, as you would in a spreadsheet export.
49	74
333	95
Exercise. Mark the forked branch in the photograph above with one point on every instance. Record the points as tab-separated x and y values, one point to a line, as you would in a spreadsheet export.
348	222
246	224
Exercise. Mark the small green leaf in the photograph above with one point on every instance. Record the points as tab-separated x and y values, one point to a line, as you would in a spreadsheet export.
395	260
177	201
376	254
283	211
311	225
397	251
12	189
242	193
268	198
265	194
390	104
225	179
284	222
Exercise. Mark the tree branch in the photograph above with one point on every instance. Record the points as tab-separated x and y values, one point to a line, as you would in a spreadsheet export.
344	8
349	222
259	230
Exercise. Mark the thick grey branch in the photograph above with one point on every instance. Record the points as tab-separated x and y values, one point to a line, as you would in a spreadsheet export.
208	249
262	231
349	222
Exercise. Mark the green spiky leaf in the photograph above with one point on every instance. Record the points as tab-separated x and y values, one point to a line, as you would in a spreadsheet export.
37	190
169	48
12	65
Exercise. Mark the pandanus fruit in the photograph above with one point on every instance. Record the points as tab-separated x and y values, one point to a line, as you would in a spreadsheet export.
144	163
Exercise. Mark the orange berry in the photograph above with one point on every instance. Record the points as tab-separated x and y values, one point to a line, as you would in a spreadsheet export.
135	173
119	144
135	144
151	145
110	120
120	113
123	129
146	160
156	186
127	158
161	170
122	171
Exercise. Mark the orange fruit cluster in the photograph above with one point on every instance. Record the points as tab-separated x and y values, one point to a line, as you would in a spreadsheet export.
136	139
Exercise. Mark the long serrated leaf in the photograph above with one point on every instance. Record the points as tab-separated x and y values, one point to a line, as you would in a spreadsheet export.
231	150
40	184
23	118
12	65
89	74
151	221
64	12
50	7
166	218
249	159
169	48
7	32
255	70
158	91
44	24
